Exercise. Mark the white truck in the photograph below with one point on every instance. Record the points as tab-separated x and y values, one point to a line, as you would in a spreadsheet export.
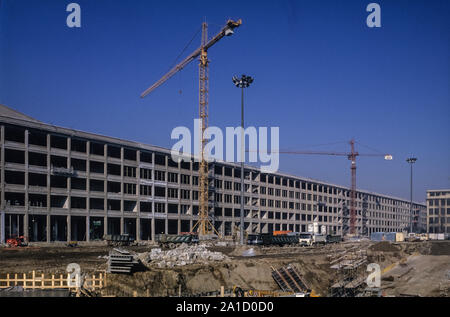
305	239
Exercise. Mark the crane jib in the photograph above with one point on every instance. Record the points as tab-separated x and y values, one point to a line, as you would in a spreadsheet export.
223	32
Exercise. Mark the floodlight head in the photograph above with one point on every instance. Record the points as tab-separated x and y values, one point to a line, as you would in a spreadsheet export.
411	160
242	82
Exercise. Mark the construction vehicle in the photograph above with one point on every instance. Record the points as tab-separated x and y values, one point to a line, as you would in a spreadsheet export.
270	239
203	226
254	239
423	237
15	242
413	237
291	238
281	233
334	238
118	239
305	239
319	239
188	238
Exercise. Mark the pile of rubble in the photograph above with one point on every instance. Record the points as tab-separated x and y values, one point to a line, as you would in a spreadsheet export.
182	255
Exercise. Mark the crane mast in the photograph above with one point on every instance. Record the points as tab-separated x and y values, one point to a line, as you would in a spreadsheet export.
203	220
203	225
352	157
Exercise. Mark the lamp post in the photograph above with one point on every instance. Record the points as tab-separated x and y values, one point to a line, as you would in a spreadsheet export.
411	161
242	83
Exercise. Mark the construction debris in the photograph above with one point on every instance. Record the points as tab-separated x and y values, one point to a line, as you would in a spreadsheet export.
180	256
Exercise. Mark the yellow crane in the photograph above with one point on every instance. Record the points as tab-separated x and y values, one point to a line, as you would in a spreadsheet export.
203	225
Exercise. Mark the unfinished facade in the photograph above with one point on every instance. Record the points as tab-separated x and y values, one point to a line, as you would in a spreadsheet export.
438	211
60	184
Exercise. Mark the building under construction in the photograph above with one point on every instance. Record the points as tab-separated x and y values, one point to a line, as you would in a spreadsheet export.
60	184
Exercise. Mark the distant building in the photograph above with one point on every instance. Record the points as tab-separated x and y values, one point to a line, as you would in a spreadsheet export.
60	184
438	211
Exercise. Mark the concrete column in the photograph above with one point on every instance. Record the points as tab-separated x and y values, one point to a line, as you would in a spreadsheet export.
48	174
122	154
27	205
2	226
105	225
153	228
48	186
153	198
69	185
166	204
138	229
69	228
25	227
88	224
138	195
69	191
48	228
88	206
105	186
166	225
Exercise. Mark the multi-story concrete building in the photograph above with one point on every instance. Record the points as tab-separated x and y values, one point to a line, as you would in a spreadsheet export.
438	211
59	184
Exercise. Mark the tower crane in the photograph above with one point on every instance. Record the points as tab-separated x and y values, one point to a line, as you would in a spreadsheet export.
203	224
352	157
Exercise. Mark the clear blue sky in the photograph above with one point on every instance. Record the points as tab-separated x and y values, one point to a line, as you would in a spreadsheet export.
321	75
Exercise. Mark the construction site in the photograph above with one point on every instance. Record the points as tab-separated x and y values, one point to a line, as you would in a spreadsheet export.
218	269
88	215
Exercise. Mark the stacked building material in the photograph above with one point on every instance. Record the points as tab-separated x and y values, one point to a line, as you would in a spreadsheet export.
289	280
121	261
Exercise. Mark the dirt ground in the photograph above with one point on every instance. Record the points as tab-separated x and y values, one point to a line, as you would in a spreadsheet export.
48	259
409	268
